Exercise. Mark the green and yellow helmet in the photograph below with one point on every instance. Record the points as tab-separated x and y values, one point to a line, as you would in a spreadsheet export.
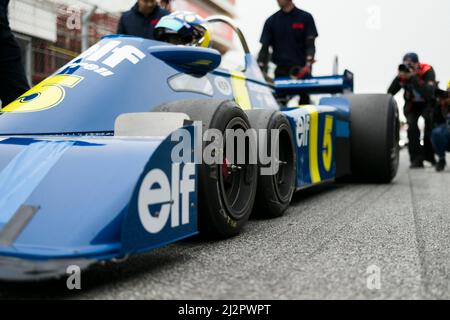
183	28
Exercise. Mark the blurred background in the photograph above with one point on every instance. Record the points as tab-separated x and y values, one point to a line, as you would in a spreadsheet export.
53	32
369	37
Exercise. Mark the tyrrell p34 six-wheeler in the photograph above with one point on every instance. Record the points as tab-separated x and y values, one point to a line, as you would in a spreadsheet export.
86	157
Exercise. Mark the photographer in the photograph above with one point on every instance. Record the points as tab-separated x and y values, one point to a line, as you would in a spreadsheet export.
418	80
441	134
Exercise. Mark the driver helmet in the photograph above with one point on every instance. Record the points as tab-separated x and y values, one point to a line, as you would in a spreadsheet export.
183	28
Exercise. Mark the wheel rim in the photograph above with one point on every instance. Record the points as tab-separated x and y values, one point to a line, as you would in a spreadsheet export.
236	181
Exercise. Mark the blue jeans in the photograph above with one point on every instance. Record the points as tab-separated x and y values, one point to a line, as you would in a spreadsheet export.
441	140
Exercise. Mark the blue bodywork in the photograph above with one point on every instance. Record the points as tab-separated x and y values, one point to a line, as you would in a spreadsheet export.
71	191
317	85
85	191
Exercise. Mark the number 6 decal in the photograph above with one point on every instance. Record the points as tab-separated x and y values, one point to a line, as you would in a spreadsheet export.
47	94
327	153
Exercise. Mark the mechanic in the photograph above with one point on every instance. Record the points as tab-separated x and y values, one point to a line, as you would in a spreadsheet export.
418	80
141	20
441	134
183	29
13	81
291	33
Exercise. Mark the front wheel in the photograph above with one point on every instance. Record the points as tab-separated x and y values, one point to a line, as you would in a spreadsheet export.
227	189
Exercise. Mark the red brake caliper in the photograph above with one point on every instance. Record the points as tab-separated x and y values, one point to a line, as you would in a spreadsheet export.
225	171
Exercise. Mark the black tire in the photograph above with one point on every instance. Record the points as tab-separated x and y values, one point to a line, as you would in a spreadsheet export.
375	125
274	193
225	203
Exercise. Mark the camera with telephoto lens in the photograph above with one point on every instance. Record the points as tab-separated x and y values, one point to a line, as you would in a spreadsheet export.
405	68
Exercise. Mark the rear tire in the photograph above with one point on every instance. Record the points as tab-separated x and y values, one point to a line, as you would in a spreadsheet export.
275	192
226	196
375	125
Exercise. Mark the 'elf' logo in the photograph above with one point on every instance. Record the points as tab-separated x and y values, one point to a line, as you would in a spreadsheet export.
110	55
159	198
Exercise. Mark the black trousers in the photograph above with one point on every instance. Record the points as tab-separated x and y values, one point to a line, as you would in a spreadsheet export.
13	81
285	71
417	152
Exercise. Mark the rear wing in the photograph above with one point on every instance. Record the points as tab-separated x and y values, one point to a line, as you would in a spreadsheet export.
318	85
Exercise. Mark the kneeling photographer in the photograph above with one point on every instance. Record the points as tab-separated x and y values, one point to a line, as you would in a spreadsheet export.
418	80
441	134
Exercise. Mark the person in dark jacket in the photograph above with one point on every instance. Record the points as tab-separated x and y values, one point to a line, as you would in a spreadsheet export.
418	80
13	81
441	132
141	20
291	33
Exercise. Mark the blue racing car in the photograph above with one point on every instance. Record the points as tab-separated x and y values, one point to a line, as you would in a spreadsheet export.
88	168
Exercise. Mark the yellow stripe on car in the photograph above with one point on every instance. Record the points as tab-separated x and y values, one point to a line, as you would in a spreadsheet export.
327	150
240	91
313	143
202	63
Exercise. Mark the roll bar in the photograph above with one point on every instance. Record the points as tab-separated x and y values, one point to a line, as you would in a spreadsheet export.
230	22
